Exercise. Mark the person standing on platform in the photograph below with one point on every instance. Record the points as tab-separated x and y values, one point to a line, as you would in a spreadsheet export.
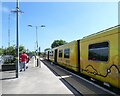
23	60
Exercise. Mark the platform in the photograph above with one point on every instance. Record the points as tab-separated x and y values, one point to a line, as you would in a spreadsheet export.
35	80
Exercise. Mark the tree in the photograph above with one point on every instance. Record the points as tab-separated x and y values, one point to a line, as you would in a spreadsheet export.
9	51
21	49
58	43
31	53
12	50
46	49
1	51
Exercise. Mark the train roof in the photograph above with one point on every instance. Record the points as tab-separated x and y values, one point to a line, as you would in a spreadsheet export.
101	32
90	36
65	44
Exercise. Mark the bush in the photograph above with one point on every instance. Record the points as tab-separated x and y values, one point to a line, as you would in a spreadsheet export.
9	60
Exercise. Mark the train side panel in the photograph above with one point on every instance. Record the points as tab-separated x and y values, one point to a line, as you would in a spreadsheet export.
51	55
100	55
67	55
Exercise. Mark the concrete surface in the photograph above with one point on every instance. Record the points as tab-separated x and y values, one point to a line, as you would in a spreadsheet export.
34	80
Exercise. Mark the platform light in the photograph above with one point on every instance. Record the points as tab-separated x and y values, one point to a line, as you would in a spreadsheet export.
36	35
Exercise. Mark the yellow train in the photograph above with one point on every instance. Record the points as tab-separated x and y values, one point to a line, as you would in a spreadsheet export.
96	55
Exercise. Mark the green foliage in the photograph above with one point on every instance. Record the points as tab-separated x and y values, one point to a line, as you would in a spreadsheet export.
32	53
46	49
58	43
1	51
9	51
12	50
22	49
10	61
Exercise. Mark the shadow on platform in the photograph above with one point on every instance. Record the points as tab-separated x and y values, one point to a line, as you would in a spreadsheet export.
8	78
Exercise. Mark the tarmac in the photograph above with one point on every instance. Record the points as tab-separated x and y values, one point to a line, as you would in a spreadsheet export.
35	80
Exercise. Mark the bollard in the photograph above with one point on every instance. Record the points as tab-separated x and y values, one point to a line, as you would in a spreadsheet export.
38	62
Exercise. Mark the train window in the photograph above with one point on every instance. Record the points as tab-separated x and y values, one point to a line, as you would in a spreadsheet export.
60	53
51	53
99	51
67	53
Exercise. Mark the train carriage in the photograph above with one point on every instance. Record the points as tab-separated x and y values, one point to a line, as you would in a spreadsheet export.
51	57
99	56
96	55
68	55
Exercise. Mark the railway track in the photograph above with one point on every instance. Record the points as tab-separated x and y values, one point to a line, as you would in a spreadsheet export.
78	85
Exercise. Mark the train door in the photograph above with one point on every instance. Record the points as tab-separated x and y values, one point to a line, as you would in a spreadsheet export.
48	55
55	56
78	44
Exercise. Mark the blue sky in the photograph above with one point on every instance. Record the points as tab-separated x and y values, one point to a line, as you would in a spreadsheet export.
63	20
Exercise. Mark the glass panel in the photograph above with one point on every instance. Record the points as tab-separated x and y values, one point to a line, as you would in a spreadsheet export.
60	53
51	53
99	51
67	53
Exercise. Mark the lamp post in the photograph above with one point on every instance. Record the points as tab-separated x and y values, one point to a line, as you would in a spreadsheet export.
17	37
17	11
36	35
9	30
